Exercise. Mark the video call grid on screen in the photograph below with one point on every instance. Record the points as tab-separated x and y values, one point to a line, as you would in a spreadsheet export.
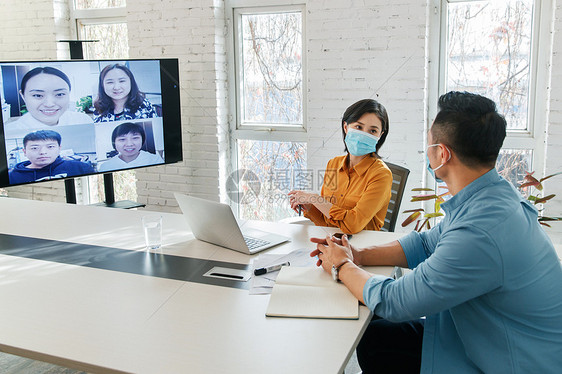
69	99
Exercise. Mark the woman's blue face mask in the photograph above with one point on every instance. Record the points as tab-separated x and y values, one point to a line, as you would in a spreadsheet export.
360	143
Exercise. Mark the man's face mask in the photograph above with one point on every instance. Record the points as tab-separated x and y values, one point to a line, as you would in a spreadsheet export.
360	143
432	171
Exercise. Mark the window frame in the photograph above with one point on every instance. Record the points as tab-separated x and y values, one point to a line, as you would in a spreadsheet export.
272	132
266	132
98	16
534	137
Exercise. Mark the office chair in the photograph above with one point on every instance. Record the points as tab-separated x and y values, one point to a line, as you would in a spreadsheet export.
399	178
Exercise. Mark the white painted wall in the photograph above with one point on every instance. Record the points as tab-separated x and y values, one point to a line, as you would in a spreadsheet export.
354	49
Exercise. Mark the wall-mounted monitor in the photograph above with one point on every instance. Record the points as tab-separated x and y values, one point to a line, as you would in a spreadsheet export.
66	119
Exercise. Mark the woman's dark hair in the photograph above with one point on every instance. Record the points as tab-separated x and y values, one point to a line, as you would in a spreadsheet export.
104	104
44	70
127	128
471	126
357	110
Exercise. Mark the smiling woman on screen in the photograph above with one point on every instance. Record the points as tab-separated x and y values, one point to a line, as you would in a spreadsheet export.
119	97
356	189
46	93
127	139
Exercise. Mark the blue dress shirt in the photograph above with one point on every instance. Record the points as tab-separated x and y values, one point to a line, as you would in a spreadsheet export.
489	282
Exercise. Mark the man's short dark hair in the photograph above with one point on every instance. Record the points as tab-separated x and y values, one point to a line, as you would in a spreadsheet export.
42	135
127	128
471	126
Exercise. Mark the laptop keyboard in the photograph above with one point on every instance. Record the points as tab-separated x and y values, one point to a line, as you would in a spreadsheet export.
254	243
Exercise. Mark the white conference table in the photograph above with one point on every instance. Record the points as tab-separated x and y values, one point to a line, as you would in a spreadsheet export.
111	321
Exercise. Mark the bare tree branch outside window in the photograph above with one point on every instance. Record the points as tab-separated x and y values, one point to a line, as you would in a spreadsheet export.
98	4
489	53
280	167
271	94
272	55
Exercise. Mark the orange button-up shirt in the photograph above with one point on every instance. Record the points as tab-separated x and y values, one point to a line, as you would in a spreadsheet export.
360	195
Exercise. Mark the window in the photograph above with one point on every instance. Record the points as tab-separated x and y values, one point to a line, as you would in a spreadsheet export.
267	172
105	22
99	4
268	90
493	48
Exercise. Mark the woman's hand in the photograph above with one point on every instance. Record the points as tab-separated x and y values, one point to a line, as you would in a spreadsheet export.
331	251
303	199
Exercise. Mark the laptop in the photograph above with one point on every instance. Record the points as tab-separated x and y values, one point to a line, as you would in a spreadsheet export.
215	223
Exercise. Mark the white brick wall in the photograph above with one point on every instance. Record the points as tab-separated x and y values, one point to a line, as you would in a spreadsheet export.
354	50
370	50
185	30
554	135
29	31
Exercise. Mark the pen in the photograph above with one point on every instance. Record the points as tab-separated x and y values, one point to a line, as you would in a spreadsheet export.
270	269
300	210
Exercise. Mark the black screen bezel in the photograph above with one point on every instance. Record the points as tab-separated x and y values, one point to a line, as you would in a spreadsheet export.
169	81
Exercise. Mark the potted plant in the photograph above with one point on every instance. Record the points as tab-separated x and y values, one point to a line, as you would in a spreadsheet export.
531	187
85	105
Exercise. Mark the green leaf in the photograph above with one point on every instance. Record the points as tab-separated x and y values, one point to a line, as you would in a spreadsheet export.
423	197
438	203
550	176
529	180
543	199
550	219
411	218
433	215
530	184
413	210
422	189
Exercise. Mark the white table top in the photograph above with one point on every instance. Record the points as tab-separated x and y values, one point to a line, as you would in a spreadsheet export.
109	321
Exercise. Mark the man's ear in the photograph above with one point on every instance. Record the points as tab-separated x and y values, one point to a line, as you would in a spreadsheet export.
446	153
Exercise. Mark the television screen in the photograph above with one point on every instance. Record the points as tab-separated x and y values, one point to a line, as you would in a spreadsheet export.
65	119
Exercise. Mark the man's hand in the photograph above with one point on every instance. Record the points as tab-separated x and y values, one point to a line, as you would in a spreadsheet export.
331	251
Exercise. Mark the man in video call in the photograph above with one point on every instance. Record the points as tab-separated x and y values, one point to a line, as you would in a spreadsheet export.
42	148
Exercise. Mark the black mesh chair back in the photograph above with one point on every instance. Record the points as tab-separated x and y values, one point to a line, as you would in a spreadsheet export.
399	178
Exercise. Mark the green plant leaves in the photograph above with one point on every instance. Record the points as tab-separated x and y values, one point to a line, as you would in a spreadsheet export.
423	197
411	218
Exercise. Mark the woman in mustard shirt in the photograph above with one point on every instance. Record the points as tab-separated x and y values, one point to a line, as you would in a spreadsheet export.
356	189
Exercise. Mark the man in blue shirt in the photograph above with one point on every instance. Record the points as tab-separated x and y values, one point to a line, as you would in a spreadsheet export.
486	278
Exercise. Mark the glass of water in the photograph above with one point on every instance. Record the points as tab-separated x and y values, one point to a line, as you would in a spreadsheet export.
152	226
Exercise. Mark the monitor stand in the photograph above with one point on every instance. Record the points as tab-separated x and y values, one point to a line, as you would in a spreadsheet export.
109	194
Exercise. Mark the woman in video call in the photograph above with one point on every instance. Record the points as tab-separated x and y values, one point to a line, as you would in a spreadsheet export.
356	189
119	97
46	93
128	139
